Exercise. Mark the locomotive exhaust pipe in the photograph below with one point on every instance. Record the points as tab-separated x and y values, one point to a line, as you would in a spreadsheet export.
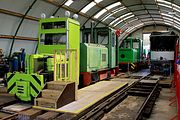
92	33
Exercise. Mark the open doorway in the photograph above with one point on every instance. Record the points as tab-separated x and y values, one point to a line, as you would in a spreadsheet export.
146	43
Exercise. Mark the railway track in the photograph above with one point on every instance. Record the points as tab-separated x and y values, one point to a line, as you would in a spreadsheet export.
148	89
144	88
140	101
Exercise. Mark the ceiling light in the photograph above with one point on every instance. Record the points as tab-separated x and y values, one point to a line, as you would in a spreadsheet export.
164	5
113	5
100	13
113	12
117	23
98	1
128	17
69	2
163	1
88	7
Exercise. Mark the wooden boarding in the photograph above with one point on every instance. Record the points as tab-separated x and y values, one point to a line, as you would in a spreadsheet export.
3	89
141	73
6	99
128	80
3	115
47	116
7	116
149	81
17	107
29	114
156	77
88	96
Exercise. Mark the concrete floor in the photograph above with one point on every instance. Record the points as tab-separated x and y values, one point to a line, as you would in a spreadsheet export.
127	109
162	110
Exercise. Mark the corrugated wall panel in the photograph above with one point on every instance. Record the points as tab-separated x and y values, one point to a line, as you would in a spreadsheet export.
28	29
15	5
29	46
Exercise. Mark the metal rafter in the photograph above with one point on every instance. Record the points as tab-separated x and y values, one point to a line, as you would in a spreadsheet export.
16	14
172	11
83	6
134	10
122	3
158	8
19	37
147	11
60	5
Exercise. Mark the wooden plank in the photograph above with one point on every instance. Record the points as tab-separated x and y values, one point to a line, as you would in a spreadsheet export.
149	81
7	99
65	117
17	107
128	80
3	115
3	90
60	68
55	62
10	117
65	66
47	116
90	95
56	85
70	65
29	114
77	73
156	77
44	102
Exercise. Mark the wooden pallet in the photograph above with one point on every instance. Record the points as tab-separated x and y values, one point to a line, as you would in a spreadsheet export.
6	99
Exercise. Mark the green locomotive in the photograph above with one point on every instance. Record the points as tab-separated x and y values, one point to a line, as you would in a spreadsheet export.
54	34
99	49
130	53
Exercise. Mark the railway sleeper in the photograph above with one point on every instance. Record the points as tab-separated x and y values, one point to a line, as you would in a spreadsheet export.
141	89
144	86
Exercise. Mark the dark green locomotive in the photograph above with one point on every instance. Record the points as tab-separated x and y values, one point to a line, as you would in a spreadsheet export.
130	53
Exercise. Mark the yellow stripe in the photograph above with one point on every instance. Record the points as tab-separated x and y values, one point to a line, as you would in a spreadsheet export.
133	64
132	67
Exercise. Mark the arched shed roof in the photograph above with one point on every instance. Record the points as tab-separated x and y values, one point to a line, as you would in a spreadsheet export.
19	18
